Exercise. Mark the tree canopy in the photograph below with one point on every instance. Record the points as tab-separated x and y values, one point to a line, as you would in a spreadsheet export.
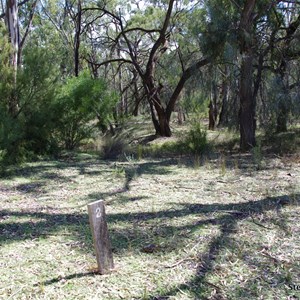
94	62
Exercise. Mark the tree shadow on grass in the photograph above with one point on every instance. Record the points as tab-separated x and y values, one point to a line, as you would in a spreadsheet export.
41	223
131	172
44	170
65	278
226	216
228	226
158	168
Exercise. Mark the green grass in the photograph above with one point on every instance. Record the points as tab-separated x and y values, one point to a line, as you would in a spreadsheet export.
223	229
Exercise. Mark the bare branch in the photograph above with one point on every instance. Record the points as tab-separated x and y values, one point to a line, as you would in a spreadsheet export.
55	25
29	24
160	40
107	62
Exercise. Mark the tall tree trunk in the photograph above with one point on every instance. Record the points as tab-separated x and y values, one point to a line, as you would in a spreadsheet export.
12	24
211	116
136	95
247	104
77	39
223	117
246	93
282	109
164	124
282	116
213	109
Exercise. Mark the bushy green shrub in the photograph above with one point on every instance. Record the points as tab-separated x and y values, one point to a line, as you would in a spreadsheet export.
29	131
52	115
81	101
195	141
37	87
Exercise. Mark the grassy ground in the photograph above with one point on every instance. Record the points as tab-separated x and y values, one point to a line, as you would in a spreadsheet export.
223	227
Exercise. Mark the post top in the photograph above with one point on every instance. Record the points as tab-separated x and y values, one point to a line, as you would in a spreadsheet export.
95	202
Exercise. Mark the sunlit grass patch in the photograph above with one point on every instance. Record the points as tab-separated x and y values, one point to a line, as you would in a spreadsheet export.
224	229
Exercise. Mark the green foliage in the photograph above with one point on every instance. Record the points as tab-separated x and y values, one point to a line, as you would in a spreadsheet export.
196	140
258	155
80	101
284	142
194	143
51	115
37	88
6	72
30	131
11	139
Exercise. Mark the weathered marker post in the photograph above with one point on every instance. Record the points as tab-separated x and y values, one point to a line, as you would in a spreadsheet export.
100	235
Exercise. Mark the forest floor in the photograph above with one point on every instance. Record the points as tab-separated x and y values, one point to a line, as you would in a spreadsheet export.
223	227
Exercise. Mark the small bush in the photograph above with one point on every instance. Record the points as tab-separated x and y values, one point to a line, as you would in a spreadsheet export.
196	140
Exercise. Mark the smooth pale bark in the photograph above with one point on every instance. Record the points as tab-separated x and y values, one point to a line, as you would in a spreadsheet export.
13	30
223	117
12	24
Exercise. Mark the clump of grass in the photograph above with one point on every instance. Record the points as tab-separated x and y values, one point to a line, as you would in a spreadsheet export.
284	142
258	155
139	152
114	146
159	150
222	165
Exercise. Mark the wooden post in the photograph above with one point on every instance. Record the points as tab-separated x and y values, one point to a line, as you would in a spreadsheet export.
102	244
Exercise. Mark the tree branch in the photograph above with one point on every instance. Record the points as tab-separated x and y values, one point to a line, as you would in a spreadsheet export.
107	62
188	73
160	40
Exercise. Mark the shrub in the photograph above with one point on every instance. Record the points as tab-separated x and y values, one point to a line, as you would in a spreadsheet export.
28	132
196	140
81	101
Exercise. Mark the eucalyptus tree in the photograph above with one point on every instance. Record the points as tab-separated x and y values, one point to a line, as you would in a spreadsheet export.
142	38
284	56
256	29
17	34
